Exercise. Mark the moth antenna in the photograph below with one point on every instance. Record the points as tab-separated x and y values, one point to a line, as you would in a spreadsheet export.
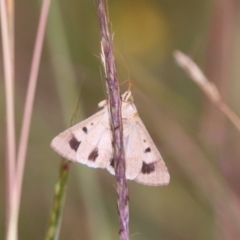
129	74
76	109
126	65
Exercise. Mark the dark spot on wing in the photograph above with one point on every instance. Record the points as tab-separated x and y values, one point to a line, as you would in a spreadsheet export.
144	140
74	143
148	168
91	123
85	130
93	155
147	150
112	162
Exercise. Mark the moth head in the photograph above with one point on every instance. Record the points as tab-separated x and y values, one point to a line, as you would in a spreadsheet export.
127	97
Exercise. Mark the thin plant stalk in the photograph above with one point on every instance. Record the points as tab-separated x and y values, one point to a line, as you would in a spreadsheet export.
9	89
206	86
115	121
6	9
32	83
31	91
230	114
59	197
23	143
11	18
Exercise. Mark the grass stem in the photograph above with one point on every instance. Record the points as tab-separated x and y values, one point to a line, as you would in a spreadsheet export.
115	121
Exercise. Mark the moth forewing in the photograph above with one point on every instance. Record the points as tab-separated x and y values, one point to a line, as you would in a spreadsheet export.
95	149
68	142
159	176
154	171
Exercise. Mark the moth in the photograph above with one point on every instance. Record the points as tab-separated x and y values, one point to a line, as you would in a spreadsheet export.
90	142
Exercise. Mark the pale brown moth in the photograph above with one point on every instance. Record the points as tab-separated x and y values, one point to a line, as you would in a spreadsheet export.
90	142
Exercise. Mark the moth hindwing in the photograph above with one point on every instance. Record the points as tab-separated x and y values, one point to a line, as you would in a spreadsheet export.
90	142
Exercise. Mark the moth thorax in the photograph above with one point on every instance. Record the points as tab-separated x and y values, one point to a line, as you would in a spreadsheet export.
128	110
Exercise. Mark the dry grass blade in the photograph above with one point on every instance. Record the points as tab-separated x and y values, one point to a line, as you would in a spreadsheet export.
8	62
32	83
9	88
23	143
207	87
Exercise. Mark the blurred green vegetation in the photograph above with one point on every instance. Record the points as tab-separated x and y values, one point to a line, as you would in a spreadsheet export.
200	148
